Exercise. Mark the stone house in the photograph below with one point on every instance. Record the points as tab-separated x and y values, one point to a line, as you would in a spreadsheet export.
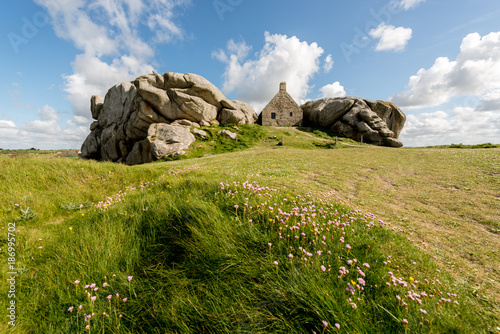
282	110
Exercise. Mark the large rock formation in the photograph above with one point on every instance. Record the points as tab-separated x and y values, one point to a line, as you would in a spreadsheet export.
151	117
375	122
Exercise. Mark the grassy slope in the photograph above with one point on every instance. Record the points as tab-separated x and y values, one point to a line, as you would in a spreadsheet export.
437	197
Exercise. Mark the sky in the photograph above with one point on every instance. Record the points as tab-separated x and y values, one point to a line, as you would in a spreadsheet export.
437	60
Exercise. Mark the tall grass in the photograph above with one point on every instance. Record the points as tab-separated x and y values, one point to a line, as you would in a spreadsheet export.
193	254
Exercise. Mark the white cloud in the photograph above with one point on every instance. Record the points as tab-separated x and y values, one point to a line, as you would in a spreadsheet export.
490	101
8	134
40	128
333	90
47	113
475	72
282	58
241	49
220	55
462	125
328	65
409	4
92	76
4	124
41	134
108	34
165	30
78	120
390	37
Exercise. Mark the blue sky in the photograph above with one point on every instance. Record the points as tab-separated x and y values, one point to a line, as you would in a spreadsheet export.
439	61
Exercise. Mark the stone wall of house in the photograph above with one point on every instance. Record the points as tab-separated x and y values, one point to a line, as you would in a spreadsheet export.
285	110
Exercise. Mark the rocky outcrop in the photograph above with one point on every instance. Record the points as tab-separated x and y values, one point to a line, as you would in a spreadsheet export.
229	134
151	117
376	122
200	134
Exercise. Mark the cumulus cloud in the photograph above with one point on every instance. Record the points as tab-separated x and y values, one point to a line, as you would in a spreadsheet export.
475	72
328	65
409	4
391	38
8	132
78	120
92	76
4	124
462	125
282	58
107	33
490	101
47	113
41	134
333	90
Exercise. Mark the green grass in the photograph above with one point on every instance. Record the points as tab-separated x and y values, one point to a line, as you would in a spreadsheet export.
248	136
200	264
200	267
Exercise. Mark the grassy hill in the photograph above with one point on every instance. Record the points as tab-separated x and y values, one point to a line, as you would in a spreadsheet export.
282	233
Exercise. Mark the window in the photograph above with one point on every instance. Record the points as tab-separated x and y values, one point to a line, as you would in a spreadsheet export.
273	115
291	114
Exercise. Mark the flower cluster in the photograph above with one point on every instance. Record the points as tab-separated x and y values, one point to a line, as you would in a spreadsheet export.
315	233
120	196
99	304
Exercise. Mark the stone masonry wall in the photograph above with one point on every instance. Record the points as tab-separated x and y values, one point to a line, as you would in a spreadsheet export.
282	105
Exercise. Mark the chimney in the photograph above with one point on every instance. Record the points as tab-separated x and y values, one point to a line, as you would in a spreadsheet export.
283	86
